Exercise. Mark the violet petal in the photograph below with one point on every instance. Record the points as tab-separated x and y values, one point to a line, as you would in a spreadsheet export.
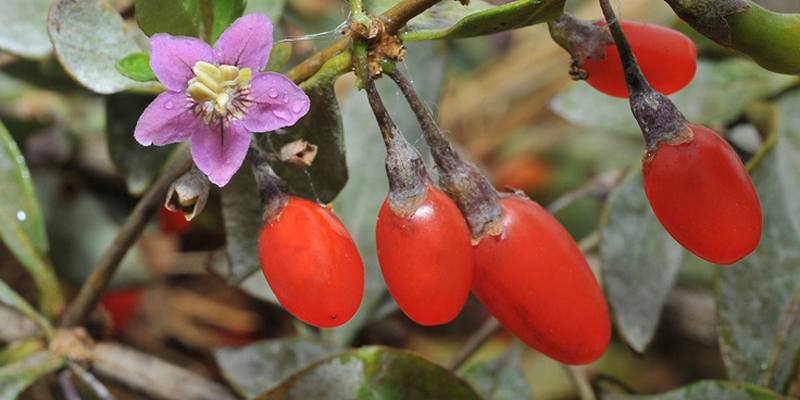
172	58
168	119
246	43
276	103
220	152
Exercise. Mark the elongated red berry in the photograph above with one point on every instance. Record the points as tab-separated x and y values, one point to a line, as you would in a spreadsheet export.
312	264
703	196
122	305
667	58
426	258
173	222
534	279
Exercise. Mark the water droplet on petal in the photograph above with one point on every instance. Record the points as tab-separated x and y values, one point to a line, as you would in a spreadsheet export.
169	105
281	113
297	107
21	216
272	93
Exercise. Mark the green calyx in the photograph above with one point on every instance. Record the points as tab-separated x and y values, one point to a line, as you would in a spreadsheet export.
771	39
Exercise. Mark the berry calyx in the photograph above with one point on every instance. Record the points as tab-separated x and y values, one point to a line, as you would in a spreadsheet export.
703	196
667	58
426	258
311	263
534	279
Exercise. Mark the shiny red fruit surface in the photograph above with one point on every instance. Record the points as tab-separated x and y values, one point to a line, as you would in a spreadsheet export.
703	196
426	259
534	279
312	264
667	58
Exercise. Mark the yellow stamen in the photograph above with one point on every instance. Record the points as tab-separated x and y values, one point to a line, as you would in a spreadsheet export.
201	92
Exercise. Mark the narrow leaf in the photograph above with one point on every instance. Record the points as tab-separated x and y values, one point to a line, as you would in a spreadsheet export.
451	20
10	298
224	13
21	223
640	262
16	377
758	298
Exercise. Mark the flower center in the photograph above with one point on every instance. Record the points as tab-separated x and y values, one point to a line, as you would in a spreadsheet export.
218	84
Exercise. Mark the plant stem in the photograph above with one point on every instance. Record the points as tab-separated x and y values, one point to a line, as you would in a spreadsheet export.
394	19
633	74
577	375
104	270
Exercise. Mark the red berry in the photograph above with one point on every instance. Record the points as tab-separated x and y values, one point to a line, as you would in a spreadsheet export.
122	305
534	279
426	259
667	58
703	196
173	222
312	264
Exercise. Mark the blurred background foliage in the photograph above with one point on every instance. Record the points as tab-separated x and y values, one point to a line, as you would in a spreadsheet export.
506	100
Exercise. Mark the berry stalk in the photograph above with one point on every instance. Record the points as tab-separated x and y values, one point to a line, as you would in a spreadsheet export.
473	193
660	121
408	178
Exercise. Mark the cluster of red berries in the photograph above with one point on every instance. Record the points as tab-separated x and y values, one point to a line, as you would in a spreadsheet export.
697	186
436	245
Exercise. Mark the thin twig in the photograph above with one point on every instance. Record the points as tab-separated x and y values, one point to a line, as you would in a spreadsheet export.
105	269
152	376
394	19
486	331
577	375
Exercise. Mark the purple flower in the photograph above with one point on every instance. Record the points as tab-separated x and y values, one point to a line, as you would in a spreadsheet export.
217	97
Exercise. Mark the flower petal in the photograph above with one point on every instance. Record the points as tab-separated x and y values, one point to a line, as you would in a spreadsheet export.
168	119
220	152
172	58
277	103
246	43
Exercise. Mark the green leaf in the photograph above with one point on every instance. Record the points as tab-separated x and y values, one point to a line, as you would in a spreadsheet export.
500	378
242	218
21	224
706	390
640	262
261	366
10	298
758	298
373	373
24	30
358	203
19	350
15	378
139	164
322	126
707	100
89	37
451	20
137	67
279	56
177	17
272	8
224	13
